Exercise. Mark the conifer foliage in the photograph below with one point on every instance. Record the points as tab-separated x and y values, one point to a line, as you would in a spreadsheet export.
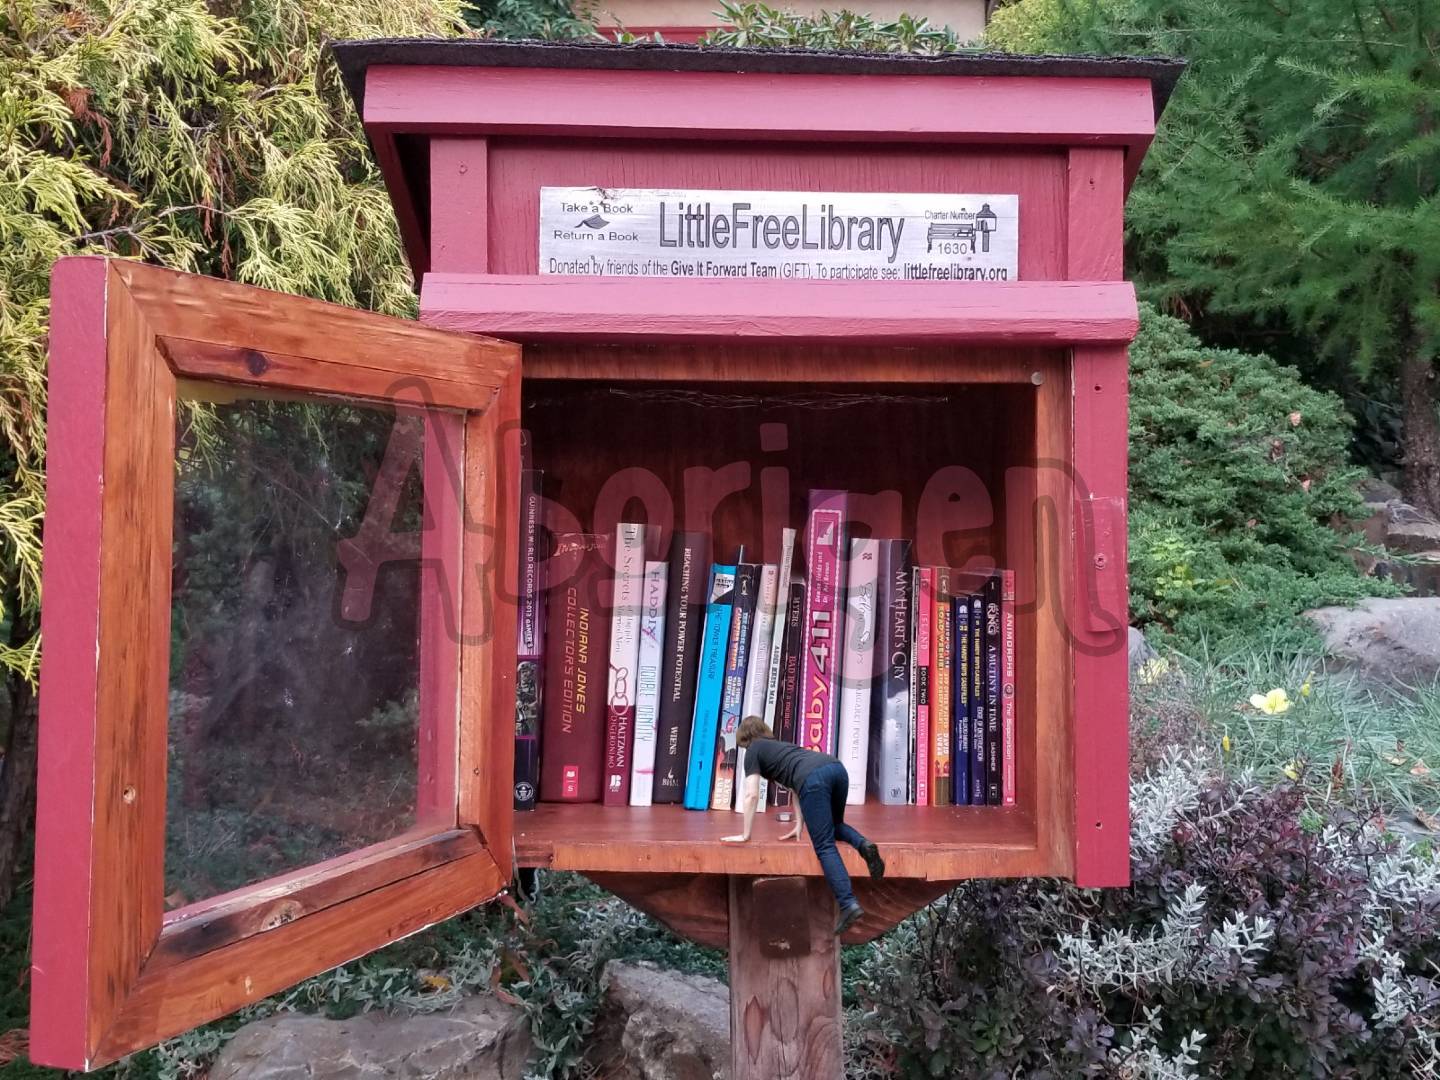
207	137
1294	176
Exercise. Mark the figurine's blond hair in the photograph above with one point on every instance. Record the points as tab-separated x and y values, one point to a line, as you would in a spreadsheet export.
752	728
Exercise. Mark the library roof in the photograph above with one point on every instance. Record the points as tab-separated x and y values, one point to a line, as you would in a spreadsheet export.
356	57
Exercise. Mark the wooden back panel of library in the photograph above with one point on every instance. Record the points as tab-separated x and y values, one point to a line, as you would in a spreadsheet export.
986	419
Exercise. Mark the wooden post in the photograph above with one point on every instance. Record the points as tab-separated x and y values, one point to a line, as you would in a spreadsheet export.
784	980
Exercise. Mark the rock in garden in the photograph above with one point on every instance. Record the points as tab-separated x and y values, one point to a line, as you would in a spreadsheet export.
1409	529
1389	640
1140	650
661	1025
480	1039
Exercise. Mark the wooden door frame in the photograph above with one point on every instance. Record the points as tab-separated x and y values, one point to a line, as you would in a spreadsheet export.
112	971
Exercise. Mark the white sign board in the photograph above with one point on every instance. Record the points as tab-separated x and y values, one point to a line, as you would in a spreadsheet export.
634	232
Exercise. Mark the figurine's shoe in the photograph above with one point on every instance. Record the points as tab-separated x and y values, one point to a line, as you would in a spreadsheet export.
871	854
848	918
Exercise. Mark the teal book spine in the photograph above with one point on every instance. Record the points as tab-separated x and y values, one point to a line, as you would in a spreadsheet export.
709	686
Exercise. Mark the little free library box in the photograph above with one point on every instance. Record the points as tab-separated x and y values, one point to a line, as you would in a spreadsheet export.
673	301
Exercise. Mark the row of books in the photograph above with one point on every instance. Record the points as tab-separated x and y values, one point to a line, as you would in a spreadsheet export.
634	674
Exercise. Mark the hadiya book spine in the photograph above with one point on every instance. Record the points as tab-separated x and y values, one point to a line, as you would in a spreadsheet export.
647	683
960	694
941	716
824	618
709	686
624	656
529	644
757	670
572	730
890	699
859	665
924	616
742	623
1007	687
993	768
787	702
684	621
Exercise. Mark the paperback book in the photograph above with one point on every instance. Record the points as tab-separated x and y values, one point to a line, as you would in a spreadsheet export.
684	619
709	687
529	644
824	620
757	671
889	766
941	716
624	657
747	584
924	618
858	665
1007	687
788	697
647	681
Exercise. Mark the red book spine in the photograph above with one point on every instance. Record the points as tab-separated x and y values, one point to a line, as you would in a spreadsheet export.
628	599
1007	685
924	616
576	651
823	620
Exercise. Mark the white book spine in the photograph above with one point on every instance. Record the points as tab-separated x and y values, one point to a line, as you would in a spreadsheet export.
854	728
647	682
757	672
624	656
782	614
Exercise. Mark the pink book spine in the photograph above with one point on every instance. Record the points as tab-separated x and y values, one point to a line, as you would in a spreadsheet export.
822	641
1007	686
924	614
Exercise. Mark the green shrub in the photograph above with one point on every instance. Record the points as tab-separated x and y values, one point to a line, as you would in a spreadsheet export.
1248	946
1236	469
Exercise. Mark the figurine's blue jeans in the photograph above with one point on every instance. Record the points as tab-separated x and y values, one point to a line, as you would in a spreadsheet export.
822	801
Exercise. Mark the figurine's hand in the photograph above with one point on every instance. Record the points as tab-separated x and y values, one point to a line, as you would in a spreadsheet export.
733	839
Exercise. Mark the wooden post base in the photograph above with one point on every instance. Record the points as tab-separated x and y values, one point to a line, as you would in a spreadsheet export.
784	980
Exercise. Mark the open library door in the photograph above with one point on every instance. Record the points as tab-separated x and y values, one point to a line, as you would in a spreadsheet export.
277	683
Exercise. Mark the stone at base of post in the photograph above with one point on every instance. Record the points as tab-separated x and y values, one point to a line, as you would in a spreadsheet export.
784	980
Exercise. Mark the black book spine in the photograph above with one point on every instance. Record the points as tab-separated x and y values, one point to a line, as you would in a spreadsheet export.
889	778
530	644
789	693
993	746
684	616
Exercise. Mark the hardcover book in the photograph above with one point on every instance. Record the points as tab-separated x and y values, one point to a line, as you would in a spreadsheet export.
710	684
576	651
782	615
858	666
788	699
941	716
993	768
924	624
529	643
889	769
824	620
757	671
684	620
647	683
624	656
1007	687
737	655
960	695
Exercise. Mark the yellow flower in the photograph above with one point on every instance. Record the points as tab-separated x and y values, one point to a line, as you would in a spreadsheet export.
1305	688
1225	743
1276	701
1292	770
1152	670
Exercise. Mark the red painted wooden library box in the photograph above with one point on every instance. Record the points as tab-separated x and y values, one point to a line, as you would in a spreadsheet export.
278	689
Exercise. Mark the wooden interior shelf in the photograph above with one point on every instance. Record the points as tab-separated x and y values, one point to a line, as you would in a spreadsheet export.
934	843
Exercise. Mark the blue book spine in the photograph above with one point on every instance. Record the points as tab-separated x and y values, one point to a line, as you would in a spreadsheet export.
977	699
960	701
709	685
